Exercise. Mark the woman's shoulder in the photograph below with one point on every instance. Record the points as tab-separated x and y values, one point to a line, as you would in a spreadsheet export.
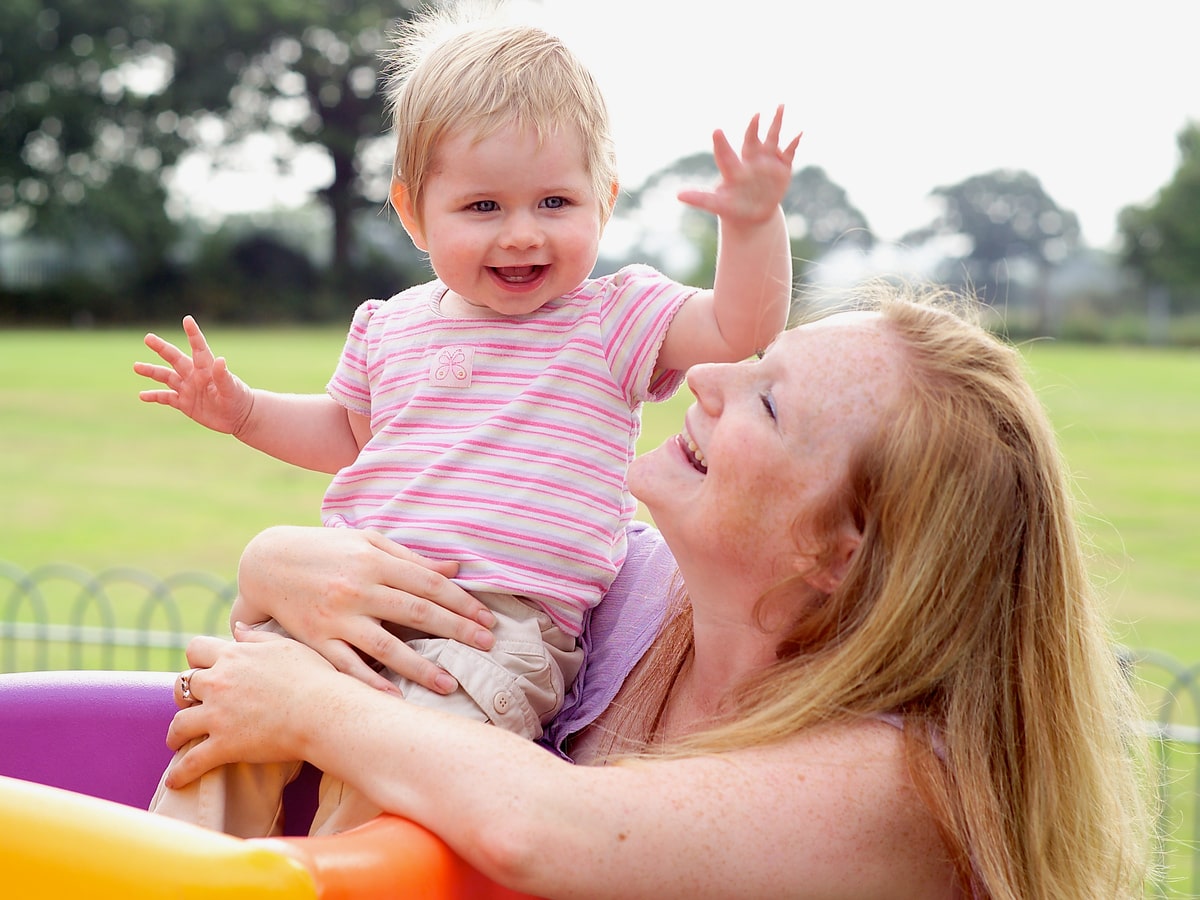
845	788
832	808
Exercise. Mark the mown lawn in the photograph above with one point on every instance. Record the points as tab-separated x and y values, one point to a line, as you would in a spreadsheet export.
93	477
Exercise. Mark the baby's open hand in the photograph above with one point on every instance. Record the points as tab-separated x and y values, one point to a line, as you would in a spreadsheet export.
200	386
752	184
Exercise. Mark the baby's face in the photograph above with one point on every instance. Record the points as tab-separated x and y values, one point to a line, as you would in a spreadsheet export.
510	222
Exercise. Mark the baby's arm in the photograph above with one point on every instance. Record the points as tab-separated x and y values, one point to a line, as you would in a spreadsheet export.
752	291
312	431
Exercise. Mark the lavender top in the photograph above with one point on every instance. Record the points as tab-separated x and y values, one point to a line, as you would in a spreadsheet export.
617	633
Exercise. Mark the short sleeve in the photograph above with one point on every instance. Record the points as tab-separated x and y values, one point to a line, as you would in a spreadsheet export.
350	384
636	313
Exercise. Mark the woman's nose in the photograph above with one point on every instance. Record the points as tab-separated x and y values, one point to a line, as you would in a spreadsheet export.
706	382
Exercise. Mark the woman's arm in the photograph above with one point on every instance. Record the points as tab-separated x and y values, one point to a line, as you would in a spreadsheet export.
333	587
828	814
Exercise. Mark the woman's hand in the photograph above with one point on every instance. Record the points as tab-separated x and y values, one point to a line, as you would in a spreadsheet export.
243	698
332	588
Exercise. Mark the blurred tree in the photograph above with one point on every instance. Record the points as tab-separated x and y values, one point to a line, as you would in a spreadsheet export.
100	98
991	222
1161	241
820	214
303	71
84	126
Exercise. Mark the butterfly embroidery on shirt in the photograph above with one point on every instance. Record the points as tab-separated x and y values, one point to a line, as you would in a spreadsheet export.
452	366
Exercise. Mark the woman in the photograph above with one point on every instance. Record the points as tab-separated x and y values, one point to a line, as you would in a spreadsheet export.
889	677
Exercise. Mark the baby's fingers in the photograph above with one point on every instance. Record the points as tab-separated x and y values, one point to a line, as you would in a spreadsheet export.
776	128
750	140
201	354
724	155
789	152
154	372
226	384
703	200
163	398
170	354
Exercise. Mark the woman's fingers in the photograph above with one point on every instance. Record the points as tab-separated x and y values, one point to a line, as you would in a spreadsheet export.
195	754
202	652
426	614
430	579
424	599
340	654
185	726
380	644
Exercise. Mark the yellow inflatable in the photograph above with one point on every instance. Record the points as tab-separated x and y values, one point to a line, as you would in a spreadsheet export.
60	844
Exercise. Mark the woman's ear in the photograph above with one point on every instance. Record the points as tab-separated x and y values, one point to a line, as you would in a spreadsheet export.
402	204
828	577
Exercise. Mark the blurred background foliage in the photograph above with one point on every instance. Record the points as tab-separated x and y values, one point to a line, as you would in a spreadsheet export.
98	119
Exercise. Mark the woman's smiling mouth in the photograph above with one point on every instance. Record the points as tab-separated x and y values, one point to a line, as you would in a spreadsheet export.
693	452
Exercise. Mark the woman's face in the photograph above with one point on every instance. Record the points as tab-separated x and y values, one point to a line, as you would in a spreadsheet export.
764	444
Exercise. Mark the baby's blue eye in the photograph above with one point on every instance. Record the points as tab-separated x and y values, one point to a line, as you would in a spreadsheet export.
485	206
554	202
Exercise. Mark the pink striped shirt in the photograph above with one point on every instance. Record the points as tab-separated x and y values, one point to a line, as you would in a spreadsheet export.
502	443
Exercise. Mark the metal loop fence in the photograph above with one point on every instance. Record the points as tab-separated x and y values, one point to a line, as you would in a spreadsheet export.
1171	696
60	616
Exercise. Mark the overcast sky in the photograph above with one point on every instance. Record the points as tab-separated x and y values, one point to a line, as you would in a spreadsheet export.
894	98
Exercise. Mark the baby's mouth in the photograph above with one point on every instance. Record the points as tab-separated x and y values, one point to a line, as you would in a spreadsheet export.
518	274
693	453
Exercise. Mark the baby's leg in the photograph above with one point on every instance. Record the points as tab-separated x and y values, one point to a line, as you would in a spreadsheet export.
242	799
518	685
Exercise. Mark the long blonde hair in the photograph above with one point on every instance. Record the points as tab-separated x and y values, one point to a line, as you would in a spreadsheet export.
968	610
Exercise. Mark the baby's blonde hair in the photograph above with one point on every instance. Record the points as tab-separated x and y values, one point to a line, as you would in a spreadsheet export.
460	67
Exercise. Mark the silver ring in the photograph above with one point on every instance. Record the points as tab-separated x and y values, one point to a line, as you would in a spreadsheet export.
185	685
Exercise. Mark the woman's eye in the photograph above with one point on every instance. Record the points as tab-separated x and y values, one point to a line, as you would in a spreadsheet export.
760	353
554	202
484	206
768	403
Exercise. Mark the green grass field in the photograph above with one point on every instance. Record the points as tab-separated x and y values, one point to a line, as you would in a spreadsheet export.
93	477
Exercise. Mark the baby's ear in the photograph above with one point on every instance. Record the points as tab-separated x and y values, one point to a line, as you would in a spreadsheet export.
403	205
613	190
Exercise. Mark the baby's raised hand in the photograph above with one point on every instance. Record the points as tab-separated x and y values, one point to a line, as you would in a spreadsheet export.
752	184
200	386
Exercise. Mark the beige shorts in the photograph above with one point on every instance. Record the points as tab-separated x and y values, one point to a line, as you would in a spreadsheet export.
518	685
